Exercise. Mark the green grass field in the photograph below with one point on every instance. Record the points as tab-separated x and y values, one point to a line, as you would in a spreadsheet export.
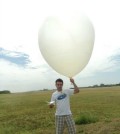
28	113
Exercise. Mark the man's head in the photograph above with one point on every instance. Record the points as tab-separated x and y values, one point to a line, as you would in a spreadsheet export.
59	84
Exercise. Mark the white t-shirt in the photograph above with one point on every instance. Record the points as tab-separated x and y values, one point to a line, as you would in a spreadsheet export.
62	101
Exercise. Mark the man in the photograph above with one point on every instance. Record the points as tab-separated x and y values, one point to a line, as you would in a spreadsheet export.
63	113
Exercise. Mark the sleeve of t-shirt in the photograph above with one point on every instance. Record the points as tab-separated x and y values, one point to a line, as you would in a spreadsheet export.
70	91
53	97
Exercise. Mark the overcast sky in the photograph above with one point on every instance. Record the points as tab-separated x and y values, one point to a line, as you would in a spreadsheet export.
22	67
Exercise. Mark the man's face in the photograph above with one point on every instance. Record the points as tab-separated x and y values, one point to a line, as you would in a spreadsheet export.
59	86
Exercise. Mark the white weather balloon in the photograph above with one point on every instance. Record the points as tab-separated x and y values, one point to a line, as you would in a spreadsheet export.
66	42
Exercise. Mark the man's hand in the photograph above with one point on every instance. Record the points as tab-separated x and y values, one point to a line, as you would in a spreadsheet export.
51	105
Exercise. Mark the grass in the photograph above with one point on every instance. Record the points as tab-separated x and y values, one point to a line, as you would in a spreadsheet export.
96	111
86	118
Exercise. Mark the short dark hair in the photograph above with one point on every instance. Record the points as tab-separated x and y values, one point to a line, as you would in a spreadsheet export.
59	80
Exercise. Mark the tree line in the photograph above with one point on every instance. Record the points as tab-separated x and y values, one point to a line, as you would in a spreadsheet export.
94	86
104	85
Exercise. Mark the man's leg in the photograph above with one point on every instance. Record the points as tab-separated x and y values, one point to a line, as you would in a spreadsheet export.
60	122
70	124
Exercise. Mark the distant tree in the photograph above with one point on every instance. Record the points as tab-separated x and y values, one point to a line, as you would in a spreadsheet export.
5	92
102	85
45	89
117	84
95	85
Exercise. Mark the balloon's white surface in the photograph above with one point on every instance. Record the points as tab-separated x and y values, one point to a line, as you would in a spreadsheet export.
66	43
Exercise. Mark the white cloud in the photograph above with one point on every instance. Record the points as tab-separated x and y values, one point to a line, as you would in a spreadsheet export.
18	79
